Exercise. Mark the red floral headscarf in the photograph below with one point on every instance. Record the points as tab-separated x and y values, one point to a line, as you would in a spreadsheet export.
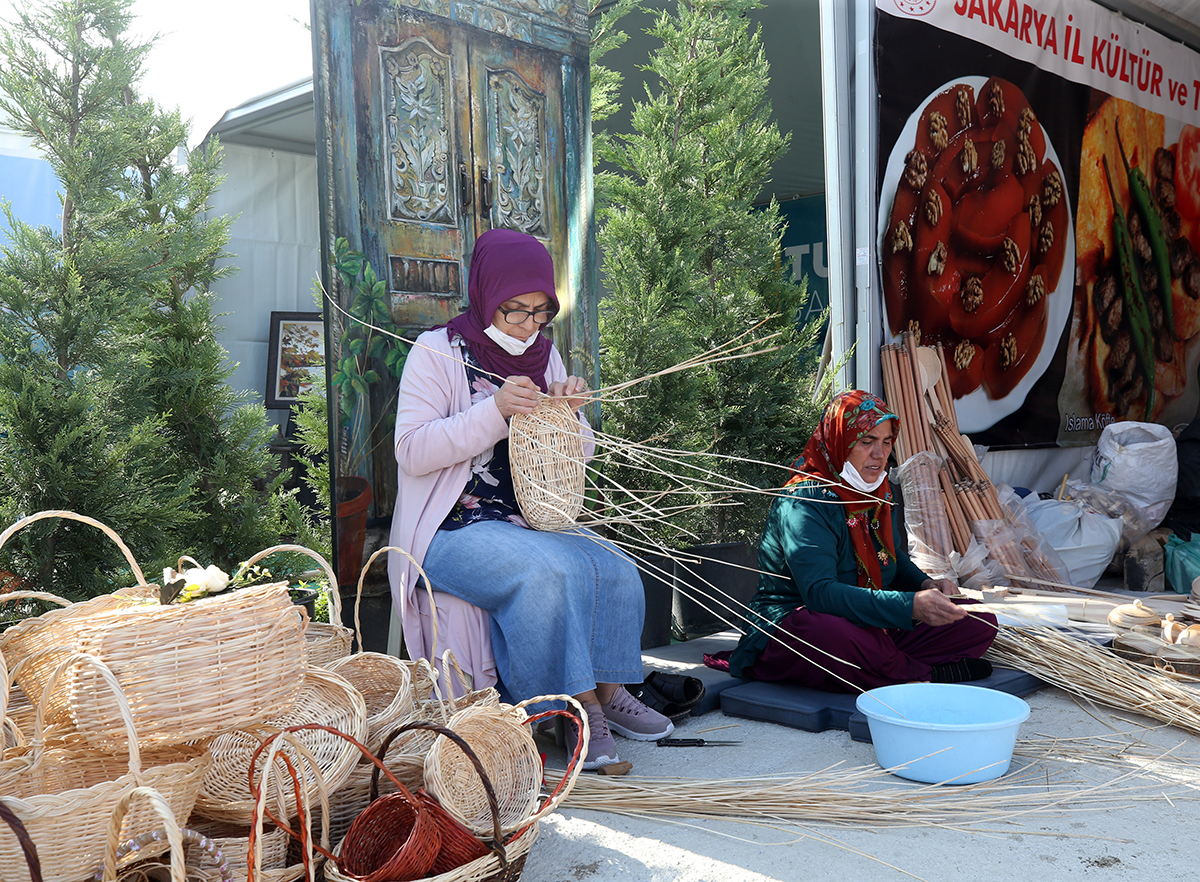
847	418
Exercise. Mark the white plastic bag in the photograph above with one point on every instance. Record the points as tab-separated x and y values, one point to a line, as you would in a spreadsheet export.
1085	539
1139	461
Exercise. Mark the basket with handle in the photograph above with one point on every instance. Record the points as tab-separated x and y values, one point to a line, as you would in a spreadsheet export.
168	834
43	641
385	683
326	641
233	843
326	699
397	839
465	857
505	745
193	670
65	796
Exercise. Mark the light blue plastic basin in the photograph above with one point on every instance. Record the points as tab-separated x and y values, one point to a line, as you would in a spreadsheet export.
943	733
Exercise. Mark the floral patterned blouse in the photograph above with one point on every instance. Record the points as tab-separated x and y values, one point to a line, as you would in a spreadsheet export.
488	494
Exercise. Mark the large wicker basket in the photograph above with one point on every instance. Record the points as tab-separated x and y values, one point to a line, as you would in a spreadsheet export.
66	796
36	646
193	670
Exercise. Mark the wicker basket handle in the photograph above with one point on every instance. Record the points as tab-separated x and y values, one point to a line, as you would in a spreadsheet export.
34	595
420	573
335	599
106	674
171	830
27	847
72	516
366	752
299	788
575	761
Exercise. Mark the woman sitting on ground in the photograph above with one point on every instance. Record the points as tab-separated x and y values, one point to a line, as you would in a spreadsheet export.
844	609
566	608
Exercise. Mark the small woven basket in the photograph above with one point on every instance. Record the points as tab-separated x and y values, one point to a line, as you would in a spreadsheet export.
65	797
545	448
499	737
326	699
233	843
327	641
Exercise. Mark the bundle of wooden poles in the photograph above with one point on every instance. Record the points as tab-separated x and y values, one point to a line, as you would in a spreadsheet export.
949	499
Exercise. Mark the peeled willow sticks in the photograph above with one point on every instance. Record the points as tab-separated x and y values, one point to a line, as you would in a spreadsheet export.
950	503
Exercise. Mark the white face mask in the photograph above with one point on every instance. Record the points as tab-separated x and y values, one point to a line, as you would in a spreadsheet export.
851	476
509	343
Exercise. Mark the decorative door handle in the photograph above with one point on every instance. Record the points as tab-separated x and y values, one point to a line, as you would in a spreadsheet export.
485	185
464	183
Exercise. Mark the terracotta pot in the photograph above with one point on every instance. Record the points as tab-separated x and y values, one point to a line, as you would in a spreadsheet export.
354	498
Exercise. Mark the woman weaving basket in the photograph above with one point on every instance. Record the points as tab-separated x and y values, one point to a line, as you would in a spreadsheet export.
841	605
563	610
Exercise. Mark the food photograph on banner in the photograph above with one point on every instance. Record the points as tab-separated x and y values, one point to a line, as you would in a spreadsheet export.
1039	213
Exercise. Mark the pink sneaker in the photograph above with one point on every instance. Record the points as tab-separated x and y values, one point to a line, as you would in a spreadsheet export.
629	717
601	747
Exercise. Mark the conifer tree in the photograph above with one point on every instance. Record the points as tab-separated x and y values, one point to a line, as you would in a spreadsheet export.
112	395
690	262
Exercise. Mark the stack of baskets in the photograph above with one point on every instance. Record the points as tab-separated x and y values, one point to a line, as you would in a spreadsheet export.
123	720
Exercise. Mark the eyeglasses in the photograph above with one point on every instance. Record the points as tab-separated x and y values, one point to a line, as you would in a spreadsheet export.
518	316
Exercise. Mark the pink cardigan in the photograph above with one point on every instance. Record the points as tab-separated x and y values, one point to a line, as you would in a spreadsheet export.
438	432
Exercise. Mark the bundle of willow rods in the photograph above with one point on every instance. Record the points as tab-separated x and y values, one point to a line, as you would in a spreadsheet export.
917	386
859	797
1097	675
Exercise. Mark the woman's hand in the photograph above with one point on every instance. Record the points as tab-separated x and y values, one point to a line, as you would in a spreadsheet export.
572	386
933	607
517	395
946	586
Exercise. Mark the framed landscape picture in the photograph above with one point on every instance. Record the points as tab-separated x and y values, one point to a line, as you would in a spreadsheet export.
295	356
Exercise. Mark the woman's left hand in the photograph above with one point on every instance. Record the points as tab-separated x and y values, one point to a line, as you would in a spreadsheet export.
946	586
569	389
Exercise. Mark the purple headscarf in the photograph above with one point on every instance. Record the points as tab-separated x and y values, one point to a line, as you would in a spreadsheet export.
504	265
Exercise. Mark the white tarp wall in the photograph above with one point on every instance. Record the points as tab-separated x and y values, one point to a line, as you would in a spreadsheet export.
274	246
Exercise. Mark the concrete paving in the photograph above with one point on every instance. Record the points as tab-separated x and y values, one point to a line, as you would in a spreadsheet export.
1147	835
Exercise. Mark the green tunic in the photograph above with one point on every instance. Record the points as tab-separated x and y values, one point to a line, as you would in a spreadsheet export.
808	542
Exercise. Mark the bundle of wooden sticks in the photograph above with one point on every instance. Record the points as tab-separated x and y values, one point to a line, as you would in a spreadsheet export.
949	499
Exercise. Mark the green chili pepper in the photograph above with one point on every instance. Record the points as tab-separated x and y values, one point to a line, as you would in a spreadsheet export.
1143	201
1138	314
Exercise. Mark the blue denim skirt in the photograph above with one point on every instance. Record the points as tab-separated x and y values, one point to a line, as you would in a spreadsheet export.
566	608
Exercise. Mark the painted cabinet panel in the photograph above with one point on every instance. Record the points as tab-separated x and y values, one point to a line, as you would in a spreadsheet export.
437	121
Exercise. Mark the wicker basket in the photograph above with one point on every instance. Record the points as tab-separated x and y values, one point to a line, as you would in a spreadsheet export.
504	744
66	796
326	699
545	448
168	834
193	670
385	683
330	641
501	861
233	844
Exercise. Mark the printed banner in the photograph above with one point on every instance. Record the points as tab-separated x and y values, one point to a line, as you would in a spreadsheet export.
1039	212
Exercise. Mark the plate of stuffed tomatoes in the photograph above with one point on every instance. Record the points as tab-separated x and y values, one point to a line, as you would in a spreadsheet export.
976	242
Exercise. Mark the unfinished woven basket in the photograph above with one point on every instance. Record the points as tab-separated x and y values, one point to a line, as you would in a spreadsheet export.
327	641
545	448
193	670
325	698
65	797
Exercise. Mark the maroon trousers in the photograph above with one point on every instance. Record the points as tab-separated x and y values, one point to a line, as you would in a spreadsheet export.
830	653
